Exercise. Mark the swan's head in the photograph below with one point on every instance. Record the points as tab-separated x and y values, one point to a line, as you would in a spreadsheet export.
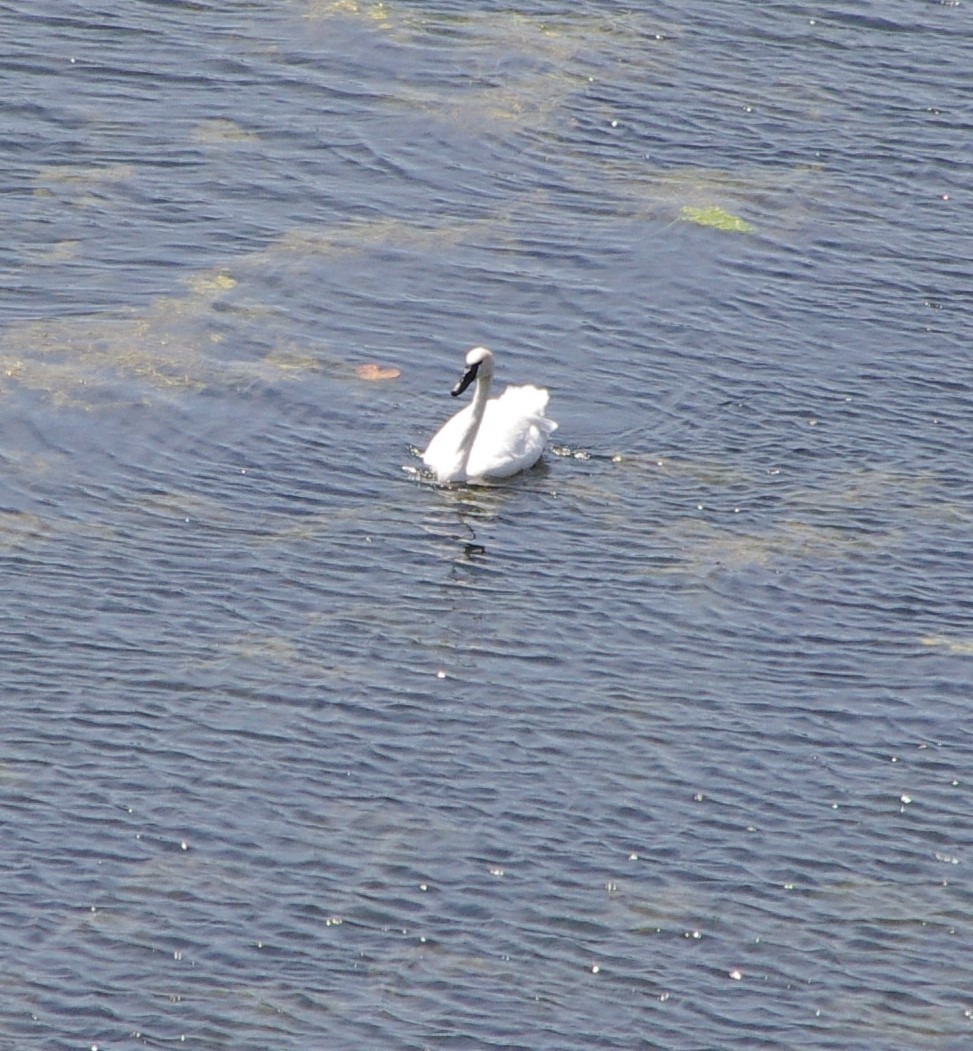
479	362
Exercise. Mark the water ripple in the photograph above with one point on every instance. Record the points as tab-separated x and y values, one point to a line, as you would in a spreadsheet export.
664	743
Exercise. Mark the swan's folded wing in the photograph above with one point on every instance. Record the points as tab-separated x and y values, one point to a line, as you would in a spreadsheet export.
526	404
522	401
513	433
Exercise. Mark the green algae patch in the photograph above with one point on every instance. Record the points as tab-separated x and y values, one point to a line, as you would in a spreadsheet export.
958	647
376	13
52	254
290	362
212	284
83	175
788	196
83	361
221	131
360	236
545	61
23	530
715	218
20	529
705	545
72	361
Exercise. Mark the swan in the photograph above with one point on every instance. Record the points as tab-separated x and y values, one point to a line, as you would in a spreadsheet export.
491	437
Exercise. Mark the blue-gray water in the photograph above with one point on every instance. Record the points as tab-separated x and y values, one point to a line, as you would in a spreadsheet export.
666	744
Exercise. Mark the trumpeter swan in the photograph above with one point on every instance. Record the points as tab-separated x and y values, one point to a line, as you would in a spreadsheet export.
491	437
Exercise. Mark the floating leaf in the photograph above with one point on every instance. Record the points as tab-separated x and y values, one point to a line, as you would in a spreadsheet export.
371	371
716	218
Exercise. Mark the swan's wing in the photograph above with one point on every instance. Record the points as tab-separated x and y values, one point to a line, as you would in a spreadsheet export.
442	452
522	402
512	435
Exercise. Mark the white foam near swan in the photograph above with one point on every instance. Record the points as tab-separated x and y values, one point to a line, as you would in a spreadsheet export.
491	437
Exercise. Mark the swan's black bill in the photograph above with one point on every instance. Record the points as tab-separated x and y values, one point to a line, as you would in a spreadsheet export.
468	377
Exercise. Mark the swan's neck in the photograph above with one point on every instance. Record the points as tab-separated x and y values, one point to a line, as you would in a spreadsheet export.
479	405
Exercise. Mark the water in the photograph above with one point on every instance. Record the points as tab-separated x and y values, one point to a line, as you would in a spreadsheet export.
664	744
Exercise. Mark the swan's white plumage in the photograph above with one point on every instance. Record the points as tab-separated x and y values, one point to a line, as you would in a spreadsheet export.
508	437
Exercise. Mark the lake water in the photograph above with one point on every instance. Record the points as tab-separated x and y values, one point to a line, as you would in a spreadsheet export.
667	743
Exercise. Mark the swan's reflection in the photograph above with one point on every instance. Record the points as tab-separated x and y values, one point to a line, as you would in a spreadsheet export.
462	517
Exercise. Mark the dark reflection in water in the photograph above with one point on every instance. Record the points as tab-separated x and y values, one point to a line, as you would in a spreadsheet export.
662	744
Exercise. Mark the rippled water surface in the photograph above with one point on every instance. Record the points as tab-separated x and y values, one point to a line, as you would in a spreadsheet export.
664	744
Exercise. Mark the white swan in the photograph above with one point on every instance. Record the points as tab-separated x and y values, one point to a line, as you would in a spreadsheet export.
492	438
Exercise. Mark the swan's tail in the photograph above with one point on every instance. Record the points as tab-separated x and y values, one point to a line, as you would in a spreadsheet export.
527	402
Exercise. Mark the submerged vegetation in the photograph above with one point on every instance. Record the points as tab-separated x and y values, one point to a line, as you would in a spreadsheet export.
75	360
531	77
715	218
959	647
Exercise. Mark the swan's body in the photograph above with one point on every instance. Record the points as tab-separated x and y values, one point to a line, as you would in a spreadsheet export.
491	437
